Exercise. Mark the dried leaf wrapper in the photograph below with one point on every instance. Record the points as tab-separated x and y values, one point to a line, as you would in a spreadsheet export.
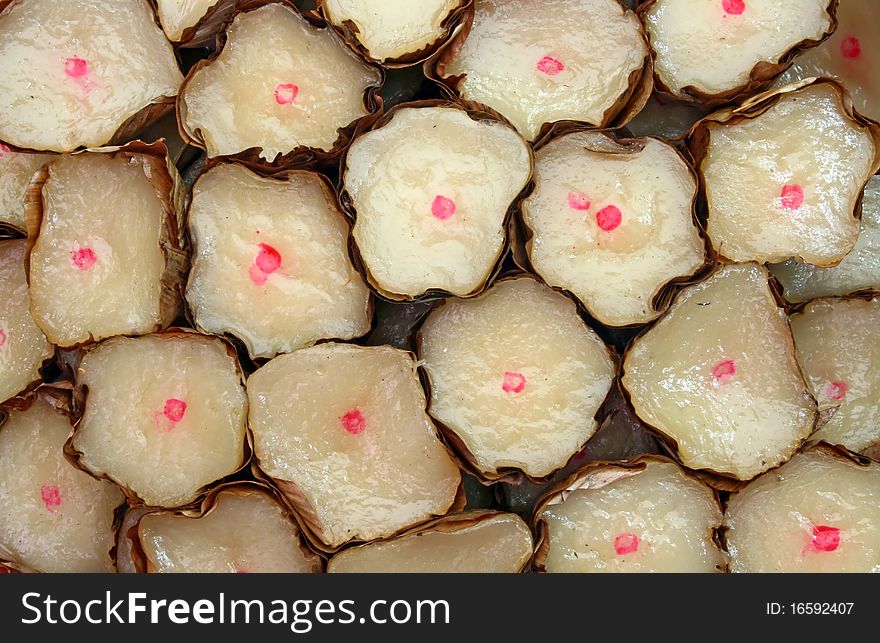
522	236
347	31
59	397
627	105
760	76
207	27
302	156
720	480
476	112
456	445
597	475
131	556
697	140
80	400
163	176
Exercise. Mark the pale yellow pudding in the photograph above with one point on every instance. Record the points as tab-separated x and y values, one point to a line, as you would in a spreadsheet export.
69	76
718	375
513	404
613	223
23	346
650	519
245	532
53	517
278	84
164	417
820	512
482	544
541	62
431	190
839	351
343	431
271	262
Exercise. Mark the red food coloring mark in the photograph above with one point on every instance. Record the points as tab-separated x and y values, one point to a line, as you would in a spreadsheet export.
286	93
733	7
76	67
550	65
723	371
837	390
583	453
51	496
354	422
4	149
442	207
791	196
2	338
825	538
578	201
269	259
609	218
84	258
513	382
850	47
174	409
258	276
242	571
626	543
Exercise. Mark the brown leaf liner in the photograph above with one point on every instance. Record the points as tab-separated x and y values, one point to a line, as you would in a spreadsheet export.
307	518
826	414
80	401
616	411
596	475
761	75
522	236
202	33
797	306
137	122
301	156
347	31
697	140
131	126
721	480
131	556
476	112
165	130
449	524
627	105
456	445
873	452
162	174
280	176
842	453
9	231
59	397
